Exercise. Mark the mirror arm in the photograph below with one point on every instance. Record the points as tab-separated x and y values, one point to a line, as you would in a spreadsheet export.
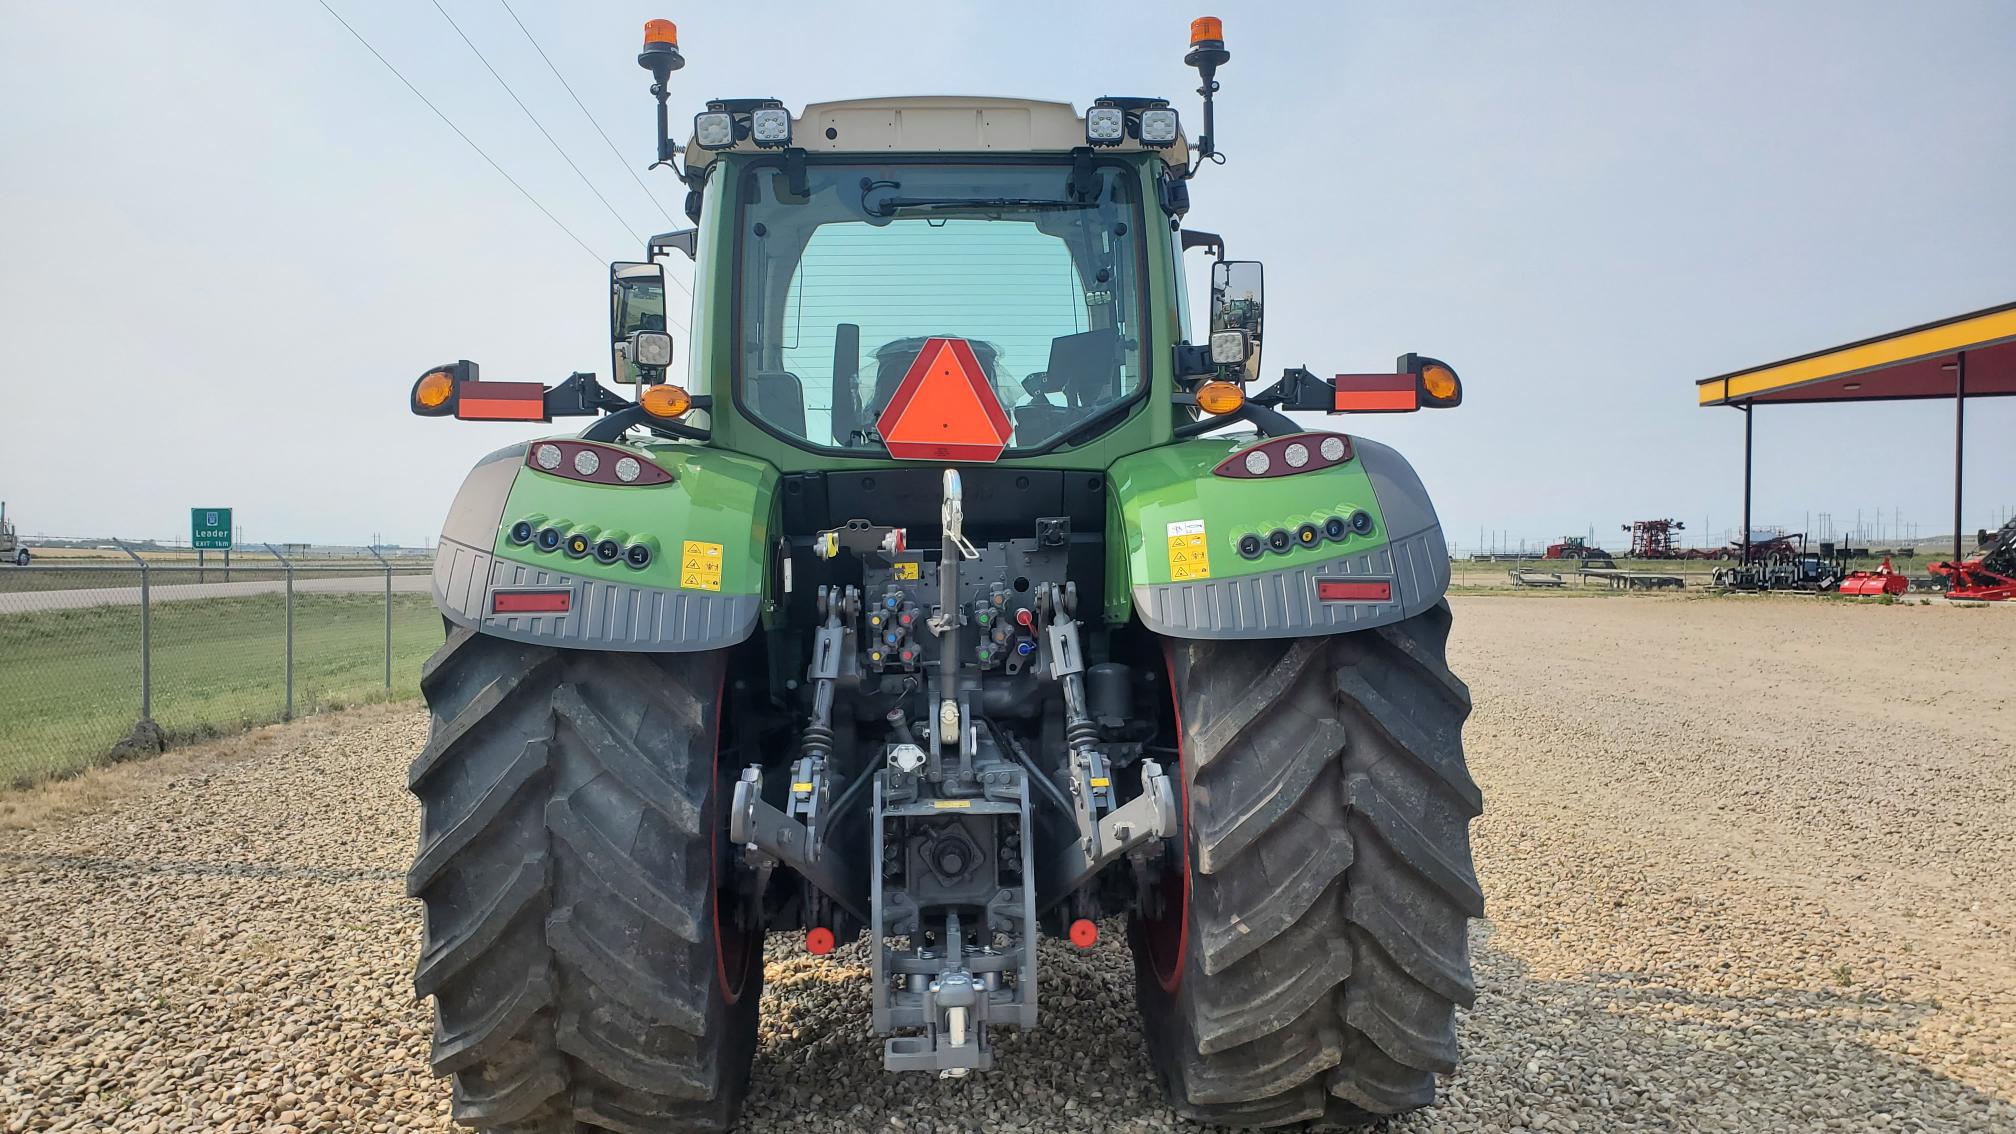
1210	241
632	416
580	395
685	240
1270	422
1298	389
1194	361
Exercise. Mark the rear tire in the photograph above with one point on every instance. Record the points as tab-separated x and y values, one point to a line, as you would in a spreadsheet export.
1312	968
570	830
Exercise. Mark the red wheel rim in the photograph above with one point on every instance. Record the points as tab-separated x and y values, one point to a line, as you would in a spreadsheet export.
733	951
1168	936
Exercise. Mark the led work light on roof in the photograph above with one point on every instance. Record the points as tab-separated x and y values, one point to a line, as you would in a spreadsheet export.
770	126
1105	125
1159	127
714	129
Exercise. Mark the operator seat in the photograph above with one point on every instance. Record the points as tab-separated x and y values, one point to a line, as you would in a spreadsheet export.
1084	369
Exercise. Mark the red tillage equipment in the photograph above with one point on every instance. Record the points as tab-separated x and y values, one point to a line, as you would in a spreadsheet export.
1988	577
1882	581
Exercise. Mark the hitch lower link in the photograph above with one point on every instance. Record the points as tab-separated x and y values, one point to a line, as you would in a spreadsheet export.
792	837
1105	833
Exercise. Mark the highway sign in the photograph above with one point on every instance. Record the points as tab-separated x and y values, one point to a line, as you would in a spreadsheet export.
210	529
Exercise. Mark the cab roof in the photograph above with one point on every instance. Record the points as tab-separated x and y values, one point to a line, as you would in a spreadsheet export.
965	124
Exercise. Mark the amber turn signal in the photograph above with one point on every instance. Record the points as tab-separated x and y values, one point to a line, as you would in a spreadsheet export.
661	31
1439	381
434	389
665	401
1220	398
1205	28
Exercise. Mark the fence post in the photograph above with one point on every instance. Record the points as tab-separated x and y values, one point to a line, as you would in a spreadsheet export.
288	715
388	614
146	636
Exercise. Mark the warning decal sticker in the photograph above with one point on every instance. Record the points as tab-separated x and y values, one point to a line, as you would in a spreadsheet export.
700	566
1188	558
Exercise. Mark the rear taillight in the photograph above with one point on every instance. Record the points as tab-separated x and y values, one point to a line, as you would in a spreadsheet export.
1286	456
593	463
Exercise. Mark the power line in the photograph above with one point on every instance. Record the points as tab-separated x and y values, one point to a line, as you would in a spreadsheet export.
590	115
618	154
535	121
458	133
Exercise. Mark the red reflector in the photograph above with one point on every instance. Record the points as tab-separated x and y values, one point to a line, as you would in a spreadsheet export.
1376	393
819	941
500	401
1344	590
1084	934
531	602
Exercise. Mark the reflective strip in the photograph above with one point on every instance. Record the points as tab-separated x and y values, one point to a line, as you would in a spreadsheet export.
1376	393
500	401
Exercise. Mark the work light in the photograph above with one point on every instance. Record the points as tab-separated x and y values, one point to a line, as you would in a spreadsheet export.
651	348
1158	127
770	126
1228	347
714	129
1105	125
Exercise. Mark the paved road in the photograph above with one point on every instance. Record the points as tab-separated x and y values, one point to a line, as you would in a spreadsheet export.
30	601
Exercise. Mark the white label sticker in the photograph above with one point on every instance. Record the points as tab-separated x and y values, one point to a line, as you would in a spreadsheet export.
1188	557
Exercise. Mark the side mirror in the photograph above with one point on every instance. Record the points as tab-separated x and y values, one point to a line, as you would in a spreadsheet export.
1236	315
640	348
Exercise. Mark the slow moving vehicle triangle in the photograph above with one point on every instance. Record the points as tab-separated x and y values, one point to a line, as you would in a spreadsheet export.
944	409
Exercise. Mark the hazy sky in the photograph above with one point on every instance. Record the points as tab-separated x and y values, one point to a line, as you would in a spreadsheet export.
232	239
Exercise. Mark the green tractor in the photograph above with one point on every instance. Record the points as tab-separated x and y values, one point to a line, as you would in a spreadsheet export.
930	608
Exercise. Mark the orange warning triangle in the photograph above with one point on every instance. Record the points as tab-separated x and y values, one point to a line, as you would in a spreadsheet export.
944	409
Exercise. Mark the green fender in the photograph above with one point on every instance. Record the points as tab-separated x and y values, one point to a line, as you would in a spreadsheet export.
707	531
1174	533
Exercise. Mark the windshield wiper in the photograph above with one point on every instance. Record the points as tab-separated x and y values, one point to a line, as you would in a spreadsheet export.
889	206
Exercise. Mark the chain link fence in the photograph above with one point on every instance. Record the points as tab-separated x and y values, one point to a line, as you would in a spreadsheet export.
109	656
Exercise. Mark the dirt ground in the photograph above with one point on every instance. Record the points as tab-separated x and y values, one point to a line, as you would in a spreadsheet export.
1748	862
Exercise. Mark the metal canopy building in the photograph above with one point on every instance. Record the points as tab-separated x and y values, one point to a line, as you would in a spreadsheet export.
1967	356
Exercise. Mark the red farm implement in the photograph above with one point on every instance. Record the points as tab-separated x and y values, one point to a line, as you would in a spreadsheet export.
1883	580
1655	539
1990	576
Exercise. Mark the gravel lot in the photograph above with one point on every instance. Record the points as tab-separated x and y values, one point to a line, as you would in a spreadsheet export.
1749	864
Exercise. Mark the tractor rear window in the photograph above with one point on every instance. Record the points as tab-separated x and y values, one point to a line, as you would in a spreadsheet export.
841	287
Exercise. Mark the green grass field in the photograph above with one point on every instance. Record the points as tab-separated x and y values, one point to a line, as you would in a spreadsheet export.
70	679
